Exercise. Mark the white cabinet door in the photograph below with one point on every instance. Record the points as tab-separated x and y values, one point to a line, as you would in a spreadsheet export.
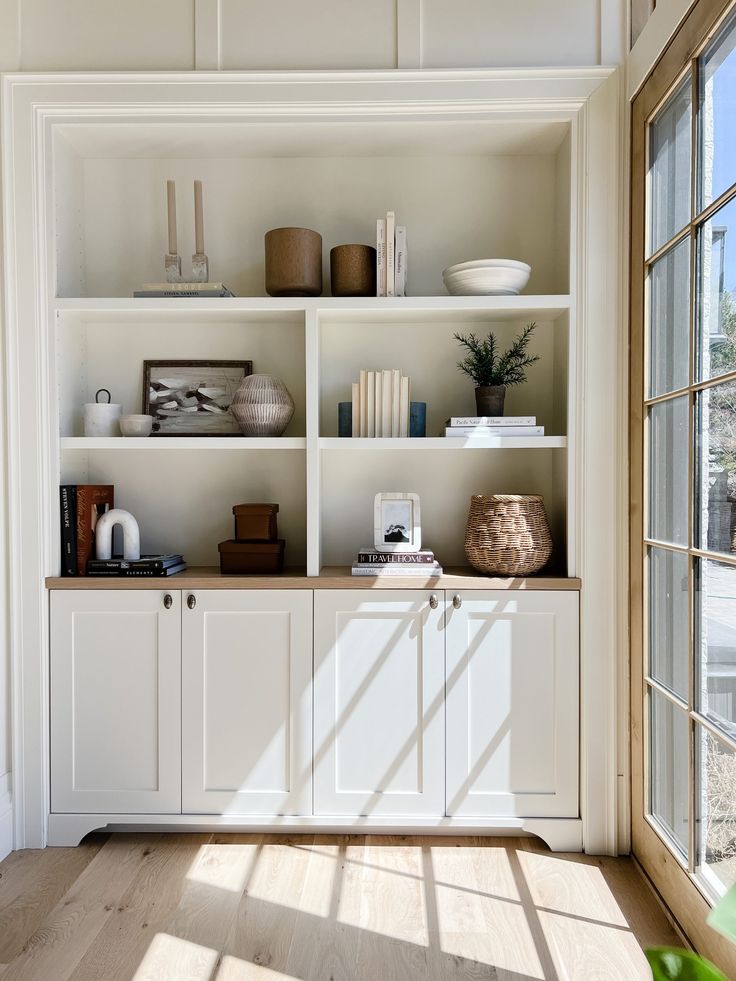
115	705
512	704
379	716
247	702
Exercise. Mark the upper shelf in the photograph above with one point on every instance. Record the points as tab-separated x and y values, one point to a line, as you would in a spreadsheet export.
156	443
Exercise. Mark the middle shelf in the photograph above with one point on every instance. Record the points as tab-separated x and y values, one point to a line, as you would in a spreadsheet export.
236	443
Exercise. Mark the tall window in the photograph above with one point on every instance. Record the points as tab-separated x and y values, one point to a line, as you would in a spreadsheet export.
685	540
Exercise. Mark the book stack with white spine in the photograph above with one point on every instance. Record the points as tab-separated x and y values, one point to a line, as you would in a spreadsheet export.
476	427
421	564
391	256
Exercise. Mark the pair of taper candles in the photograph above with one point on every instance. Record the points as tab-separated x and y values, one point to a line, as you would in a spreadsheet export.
200	271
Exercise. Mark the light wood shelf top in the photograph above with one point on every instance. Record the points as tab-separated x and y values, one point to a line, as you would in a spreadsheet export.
331	577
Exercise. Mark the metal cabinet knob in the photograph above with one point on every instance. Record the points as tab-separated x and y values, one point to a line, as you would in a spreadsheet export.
433	601
168	601
191	601
457	601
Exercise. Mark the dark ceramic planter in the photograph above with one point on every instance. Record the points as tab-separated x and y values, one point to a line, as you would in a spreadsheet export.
489	400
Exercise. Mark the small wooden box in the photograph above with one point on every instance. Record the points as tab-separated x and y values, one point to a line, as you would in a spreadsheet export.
256	522
251	558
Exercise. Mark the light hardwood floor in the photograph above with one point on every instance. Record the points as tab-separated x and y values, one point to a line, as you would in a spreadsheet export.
330	908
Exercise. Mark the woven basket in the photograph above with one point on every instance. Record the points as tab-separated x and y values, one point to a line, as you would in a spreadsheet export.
507	534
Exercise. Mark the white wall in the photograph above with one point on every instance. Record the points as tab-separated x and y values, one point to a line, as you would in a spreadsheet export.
47	35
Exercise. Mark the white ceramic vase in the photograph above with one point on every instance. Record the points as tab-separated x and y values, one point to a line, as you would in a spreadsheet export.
262	406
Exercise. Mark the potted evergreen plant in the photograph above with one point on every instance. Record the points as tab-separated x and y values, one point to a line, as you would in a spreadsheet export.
493	373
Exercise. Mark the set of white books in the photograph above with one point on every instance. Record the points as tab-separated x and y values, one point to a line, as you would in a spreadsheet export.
381	403
391	256
469	427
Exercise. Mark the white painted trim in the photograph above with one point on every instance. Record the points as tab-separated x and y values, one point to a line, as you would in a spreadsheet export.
6	816
207	35
408	33
658	30
614	22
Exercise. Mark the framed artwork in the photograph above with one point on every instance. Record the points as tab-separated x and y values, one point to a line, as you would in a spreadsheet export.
396	523
192	398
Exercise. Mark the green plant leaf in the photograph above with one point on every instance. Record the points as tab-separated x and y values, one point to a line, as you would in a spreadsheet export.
723	916
671	964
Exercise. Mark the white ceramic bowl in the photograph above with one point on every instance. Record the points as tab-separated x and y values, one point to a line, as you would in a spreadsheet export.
486	277
136	425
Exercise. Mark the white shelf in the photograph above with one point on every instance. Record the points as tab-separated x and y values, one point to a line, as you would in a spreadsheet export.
155	443
411	309
442	443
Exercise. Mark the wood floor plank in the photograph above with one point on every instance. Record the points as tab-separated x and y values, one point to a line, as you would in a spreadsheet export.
144	911
67	931
32	881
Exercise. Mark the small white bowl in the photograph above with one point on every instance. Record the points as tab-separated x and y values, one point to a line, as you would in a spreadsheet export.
136	425
486	277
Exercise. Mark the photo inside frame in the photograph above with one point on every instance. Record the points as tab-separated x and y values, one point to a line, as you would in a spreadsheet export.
397	522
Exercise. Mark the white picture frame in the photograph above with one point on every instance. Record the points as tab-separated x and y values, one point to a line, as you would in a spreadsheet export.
397	525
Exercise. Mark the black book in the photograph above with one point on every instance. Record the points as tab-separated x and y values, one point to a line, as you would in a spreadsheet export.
152	562
68	503
129	572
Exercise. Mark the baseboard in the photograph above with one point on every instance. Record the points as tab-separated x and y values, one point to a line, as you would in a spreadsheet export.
6	817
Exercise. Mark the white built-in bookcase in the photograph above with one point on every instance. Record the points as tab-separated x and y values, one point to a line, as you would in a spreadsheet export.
519	164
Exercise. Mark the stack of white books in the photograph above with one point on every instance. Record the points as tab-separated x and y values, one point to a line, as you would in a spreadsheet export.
469	427
422	564
381	403
391	256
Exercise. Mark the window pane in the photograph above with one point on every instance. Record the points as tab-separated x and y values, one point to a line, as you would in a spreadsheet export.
668	735
668	619
669	320
668	471
717	281
717	109
716	449
716	642
717	845
669	153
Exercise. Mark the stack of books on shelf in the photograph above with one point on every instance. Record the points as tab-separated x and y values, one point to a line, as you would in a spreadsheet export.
475	427
381	401
391	256
208	290
147	565
422	564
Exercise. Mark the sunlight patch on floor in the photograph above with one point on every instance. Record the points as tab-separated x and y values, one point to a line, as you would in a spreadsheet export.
283	865
571	887
172	957
235	969
224	866
582	950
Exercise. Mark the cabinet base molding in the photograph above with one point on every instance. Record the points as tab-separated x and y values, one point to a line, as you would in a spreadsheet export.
561	834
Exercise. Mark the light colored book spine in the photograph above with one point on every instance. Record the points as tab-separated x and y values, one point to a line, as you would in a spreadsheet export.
400	263
508	432
371	404
390	253
379	403
356	409
363	402
404	410
395	402
381	257
492	421
417	571
386	403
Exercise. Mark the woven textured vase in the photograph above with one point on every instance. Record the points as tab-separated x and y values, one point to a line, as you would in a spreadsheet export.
507	534
262	406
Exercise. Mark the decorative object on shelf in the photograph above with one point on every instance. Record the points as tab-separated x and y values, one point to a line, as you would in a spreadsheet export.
353	270
391	256
256	522
147	566
505	427
507	534
396	522
136	424
380	405
68	526
102	418
92	502
418	420
200	263
192	398
251	558
172	259
262	406
493	373
344	418
131	535
487	277
293	262
421	565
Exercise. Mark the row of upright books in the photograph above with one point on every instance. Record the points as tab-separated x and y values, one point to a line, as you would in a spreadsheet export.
391	256
381	402
469	427
421	564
